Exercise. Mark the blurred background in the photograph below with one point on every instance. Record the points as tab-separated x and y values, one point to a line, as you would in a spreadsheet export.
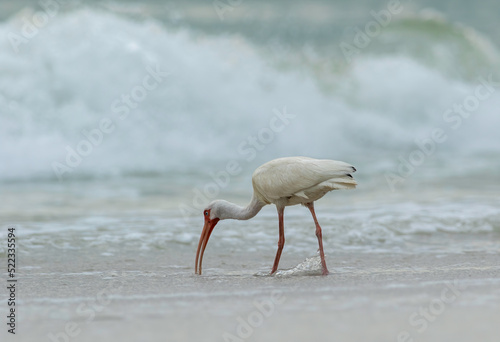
162	106
359	90
159	107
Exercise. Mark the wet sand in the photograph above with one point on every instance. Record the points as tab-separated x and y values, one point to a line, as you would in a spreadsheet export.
155	296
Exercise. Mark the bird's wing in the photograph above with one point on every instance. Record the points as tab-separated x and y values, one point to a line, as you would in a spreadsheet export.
285	177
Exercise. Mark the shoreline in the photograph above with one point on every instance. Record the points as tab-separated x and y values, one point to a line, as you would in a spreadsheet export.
364	297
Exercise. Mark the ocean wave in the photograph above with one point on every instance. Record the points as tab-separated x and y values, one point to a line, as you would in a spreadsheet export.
405	227
97	94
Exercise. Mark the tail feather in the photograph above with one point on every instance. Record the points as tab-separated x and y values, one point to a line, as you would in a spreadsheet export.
340	183
341	176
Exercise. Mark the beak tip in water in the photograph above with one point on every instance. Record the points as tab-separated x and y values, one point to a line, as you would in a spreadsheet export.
202	244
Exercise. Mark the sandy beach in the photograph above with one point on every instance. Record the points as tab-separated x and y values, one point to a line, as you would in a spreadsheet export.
375	297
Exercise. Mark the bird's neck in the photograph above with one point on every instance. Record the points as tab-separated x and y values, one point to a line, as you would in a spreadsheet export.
235	212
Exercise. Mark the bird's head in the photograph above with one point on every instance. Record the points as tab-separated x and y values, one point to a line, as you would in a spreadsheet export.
211	216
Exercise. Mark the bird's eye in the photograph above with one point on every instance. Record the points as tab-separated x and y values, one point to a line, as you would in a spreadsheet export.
206	213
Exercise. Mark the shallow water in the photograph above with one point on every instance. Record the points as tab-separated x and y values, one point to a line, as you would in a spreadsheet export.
361	221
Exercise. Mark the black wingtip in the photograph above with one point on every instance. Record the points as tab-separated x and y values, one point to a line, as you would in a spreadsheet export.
353	169
348	175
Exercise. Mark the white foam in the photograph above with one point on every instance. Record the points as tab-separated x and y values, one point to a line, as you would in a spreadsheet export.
221	90
310	266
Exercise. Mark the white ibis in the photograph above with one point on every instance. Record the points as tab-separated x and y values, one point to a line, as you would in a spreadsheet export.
283	182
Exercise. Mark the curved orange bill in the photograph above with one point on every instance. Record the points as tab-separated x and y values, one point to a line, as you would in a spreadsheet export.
205	235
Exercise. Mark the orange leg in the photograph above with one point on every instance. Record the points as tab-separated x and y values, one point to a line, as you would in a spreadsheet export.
319	236
281	241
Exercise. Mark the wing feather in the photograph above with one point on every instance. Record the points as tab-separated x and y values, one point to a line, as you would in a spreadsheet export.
291	176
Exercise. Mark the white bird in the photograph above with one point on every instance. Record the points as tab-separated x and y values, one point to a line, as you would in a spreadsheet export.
283	182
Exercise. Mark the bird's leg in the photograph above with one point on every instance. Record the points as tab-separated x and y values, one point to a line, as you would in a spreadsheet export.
319	236
281	241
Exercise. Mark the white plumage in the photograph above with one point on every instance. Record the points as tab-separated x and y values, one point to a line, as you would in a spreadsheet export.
283	182
298	180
